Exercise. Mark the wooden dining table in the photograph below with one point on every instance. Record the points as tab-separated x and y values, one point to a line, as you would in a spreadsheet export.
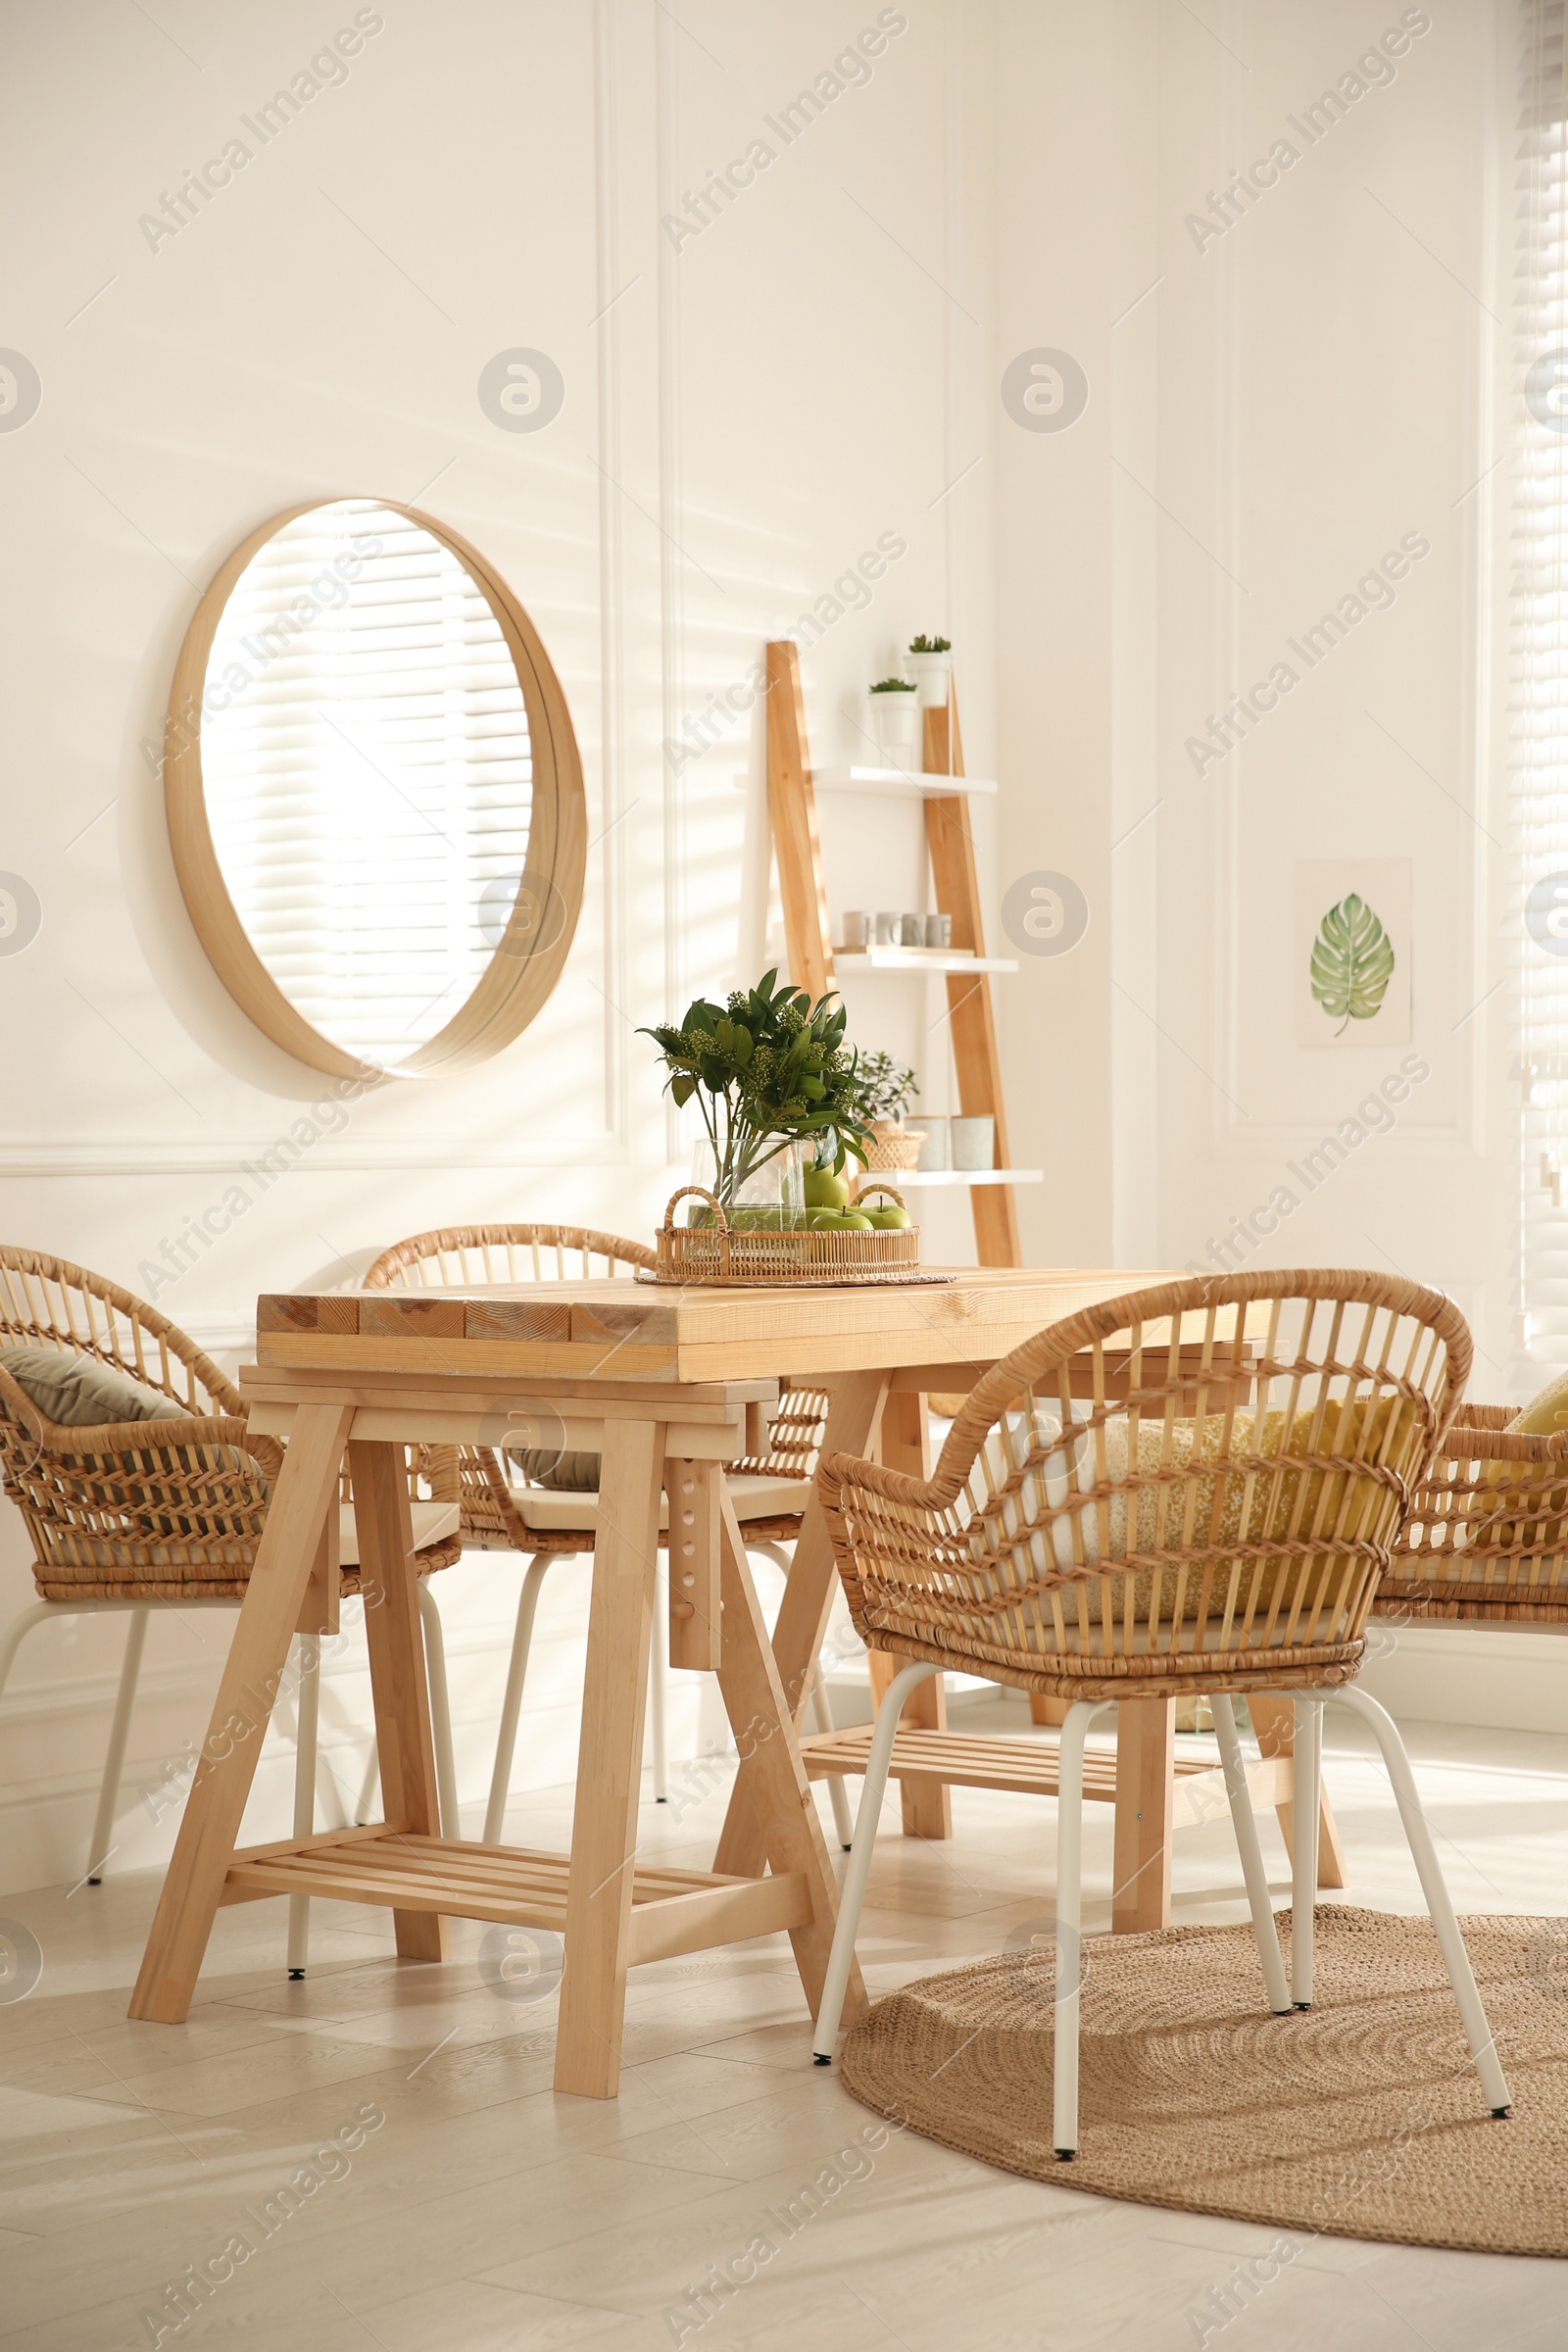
668	1383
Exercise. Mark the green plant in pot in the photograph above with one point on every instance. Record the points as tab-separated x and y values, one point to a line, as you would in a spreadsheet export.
932	660
770	1074
894	705
883	1090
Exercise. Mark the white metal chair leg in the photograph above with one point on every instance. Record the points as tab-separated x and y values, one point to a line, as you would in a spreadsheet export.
435	1674
510	1706
838	1796
1478	2033
853	1893
307	1725
1305	1799
1070	1928
1244	1822
102	1828
658	1677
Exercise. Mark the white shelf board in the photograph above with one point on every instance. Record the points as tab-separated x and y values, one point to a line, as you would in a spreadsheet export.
916	959
900	1177
907	783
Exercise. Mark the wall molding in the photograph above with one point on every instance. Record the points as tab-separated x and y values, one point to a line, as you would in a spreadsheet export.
226	1155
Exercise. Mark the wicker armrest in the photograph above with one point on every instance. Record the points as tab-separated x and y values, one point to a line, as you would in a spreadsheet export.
1481	1433
22	1421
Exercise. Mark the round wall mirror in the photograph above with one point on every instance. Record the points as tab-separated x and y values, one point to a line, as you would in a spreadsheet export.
374	794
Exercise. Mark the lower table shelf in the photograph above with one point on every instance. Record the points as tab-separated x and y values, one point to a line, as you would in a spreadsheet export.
1030	1767
673	1910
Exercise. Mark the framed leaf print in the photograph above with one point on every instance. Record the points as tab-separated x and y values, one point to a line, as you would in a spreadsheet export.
1352	945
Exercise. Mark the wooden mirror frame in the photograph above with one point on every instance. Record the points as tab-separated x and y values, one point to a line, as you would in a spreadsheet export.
517	982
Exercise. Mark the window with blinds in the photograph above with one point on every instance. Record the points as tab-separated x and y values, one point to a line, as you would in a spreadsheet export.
1538	674
369	774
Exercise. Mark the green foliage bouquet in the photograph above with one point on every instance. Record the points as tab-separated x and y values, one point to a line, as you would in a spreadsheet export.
765	1069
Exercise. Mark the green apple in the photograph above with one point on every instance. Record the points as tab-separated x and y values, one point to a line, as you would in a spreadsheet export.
890	1217
823	1220
825	1190
855	1221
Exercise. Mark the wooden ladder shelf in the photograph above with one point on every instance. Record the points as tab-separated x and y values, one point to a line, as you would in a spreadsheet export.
808	934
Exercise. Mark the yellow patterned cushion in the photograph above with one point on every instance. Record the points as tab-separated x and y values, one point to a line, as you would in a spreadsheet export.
1213	1513
1543	1415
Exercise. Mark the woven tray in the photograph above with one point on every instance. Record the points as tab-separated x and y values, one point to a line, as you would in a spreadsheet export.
712	1253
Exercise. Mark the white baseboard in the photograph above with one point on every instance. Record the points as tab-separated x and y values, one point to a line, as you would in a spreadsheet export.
1490	1677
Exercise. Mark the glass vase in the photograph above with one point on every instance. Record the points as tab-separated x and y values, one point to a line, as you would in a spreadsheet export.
772	1198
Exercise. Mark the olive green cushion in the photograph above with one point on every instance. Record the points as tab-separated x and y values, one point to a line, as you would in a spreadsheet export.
77	1392
1545	1414
562	1473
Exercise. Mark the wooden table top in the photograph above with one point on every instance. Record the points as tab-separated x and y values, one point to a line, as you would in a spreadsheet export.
626	1331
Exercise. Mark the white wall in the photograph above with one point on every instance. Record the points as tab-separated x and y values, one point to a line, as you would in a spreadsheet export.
1268	415
1271	410
744	415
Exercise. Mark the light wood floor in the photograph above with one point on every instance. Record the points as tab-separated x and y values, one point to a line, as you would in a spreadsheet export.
486	2213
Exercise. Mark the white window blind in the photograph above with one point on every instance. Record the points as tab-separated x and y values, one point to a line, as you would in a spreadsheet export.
367	772
1538	674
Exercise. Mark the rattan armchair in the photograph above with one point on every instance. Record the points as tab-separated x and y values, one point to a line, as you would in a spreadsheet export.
1487	1539
504	1507
1111	1518
134	1515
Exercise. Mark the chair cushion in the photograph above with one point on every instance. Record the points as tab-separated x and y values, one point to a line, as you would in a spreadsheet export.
562	1473
754	1495
433	1521
77	1392
1545	1414
1255	1509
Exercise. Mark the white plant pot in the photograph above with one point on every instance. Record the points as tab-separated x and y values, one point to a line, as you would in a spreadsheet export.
934	1151
973	1142
931	674
894	722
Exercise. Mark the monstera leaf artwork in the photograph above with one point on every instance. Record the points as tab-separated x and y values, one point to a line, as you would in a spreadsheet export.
1353	962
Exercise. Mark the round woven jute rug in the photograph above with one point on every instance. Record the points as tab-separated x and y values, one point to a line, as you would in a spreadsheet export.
1361	2118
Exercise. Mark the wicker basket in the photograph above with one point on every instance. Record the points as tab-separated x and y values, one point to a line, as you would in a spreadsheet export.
895	1147
712	1253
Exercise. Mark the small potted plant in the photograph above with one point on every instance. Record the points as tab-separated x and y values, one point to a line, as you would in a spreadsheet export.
933	667
895	716
882	1091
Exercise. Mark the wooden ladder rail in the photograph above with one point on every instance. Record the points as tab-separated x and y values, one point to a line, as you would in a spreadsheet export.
949	838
